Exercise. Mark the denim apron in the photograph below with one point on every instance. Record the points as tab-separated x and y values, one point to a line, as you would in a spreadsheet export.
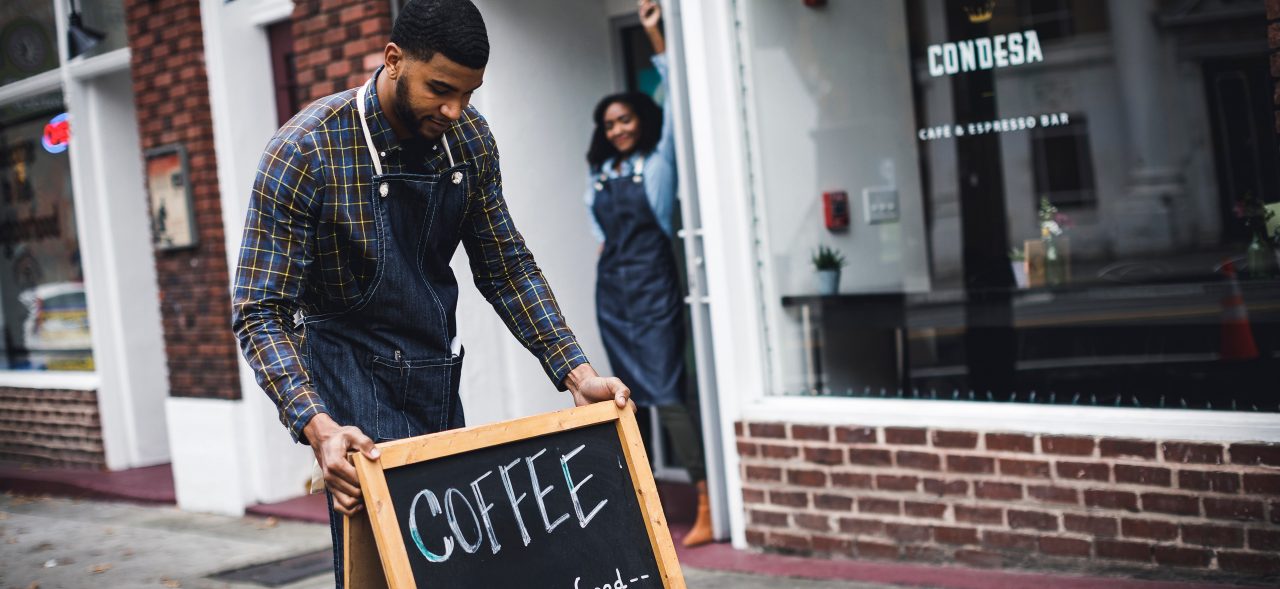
390	364
638	302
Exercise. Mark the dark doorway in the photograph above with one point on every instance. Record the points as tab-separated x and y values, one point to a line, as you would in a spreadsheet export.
1244	138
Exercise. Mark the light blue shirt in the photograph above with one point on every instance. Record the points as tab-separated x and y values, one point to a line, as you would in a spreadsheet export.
659	168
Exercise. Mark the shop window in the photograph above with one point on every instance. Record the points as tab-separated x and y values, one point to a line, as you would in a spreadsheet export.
1044	233
28	39
106	17
1063	164
42	298
1061	19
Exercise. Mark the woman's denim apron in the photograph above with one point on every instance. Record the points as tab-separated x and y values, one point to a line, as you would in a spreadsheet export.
389	364
638	303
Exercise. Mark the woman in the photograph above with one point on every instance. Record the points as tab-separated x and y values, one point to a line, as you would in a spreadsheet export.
631	193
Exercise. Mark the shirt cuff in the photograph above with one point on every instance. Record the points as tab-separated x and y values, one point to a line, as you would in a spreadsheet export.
302	405
560	360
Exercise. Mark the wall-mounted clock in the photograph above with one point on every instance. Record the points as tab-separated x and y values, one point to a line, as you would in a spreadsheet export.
26	45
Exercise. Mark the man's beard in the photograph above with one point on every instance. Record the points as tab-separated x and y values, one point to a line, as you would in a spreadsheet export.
405	114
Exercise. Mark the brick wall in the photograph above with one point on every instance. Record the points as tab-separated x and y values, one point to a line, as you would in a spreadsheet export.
990	499
171	93
338	43
51	428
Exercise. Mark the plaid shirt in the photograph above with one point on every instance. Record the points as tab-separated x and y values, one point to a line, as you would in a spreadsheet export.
310	244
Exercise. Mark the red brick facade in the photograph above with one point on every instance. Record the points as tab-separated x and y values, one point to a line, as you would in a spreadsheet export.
51	428
171	93
338	43
991	499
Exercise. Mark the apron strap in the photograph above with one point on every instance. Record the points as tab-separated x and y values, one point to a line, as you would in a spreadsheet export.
368	137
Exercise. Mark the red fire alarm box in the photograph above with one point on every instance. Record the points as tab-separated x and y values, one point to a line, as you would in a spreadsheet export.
835	208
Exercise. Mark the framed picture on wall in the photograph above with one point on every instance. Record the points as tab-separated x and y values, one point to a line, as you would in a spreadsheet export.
173	220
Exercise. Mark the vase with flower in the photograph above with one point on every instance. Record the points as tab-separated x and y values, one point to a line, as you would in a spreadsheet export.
1057	252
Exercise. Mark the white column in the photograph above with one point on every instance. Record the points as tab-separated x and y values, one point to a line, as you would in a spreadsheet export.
1143	219
232	454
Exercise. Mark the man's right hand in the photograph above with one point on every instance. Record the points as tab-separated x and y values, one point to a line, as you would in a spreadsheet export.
331	443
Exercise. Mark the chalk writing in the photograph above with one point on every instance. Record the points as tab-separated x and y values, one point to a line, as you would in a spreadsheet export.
457	504
615	584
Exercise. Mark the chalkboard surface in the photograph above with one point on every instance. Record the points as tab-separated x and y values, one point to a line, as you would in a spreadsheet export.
561	499
557	510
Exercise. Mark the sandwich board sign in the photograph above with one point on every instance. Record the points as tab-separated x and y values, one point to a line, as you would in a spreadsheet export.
563	500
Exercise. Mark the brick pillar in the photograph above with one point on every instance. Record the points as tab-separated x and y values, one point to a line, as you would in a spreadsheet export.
338	43
171	93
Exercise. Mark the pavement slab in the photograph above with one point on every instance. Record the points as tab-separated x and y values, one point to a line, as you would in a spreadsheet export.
55	543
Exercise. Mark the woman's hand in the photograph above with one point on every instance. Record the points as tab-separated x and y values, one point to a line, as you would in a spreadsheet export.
650	17
650	13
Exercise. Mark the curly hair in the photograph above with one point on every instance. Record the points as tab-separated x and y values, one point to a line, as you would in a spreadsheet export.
452	27
650	127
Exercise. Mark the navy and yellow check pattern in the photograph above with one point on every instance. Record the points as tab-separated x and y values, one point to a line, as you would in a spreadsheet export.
310	243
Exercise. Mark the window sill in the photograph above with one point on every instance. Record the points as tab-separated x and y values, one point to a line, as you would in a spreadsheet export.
38	379
1155	424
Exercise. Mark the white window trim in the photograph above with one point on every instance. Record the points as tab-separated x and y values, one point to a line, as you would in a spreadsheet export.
269	12
81	69
39	379
1122	422
42	83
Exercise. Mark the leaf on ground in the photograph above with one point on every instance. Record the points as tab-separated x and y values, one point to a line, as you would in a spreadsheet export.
270	522
167	582
98	569
34	585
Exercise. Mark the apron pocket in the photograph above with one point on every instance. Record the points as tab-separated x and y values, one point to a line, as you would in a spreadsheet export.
415	397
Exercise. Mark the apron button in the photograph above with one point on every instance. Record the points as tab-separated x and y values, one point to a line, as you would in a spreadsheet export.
636	179
599	186
383	189
457	177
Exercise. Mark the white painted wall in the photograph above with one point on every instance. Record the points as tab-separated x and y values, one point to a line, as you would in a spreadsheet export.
242	101
826	91
549	63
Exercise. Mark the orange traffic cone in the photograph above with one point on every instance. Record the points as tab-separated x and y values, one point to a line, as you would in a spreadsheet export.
1237	337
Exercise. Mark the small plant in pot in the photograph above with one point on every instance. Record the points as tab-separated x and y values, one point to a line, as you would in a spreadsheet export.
828	262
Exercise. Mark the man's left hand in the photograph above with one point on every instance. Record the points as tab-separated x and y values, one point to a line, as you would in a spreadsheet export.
589	387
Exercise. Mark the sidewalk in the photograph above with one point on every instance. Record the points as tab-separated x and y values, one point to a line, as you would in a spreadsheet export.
157	540
48	543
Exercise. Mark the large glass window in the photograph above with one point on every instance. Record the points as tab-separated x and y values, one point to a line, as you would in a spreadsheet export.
43	313
1049	201
28	39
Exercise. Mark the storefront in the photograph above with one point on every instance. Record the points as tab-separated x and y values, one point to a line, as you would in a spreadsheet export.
1054	333
1057	312
77	284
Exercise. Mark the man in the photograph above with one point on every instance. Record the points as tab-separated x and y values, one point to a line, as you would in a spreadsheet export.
344	300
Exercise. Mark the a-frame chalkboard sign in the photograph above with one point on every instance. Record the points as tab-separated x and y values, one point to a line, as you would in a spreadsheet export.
562	500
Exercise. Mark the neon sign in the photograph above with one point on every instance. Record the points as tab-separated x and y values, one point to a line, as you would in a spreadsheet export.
57	134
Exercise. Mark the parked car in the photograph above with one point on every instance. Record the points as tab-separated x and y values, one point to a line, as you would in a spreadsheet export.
56	330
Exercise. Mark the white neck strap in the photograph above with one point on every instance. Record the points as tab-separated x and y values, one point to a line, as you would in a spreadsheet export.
368	137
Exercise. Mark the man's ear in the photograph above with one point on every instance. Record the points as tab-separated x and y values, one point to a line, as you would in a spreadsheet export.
393	59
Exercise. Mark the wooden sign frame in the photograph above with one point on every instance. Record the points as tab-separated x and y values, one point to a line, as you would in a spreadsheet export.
374	552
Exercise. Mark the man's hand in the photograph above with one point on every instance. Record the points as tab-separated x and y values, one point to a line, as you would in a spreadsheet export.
589	387
331	444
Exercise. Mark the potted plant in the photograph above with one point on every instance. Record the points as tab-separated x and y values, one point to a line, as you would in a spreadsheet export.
1018	262
828	262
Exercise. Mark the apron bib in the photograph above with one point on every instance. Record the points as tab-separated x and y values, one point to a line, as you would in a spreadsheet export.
390	364
638	301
